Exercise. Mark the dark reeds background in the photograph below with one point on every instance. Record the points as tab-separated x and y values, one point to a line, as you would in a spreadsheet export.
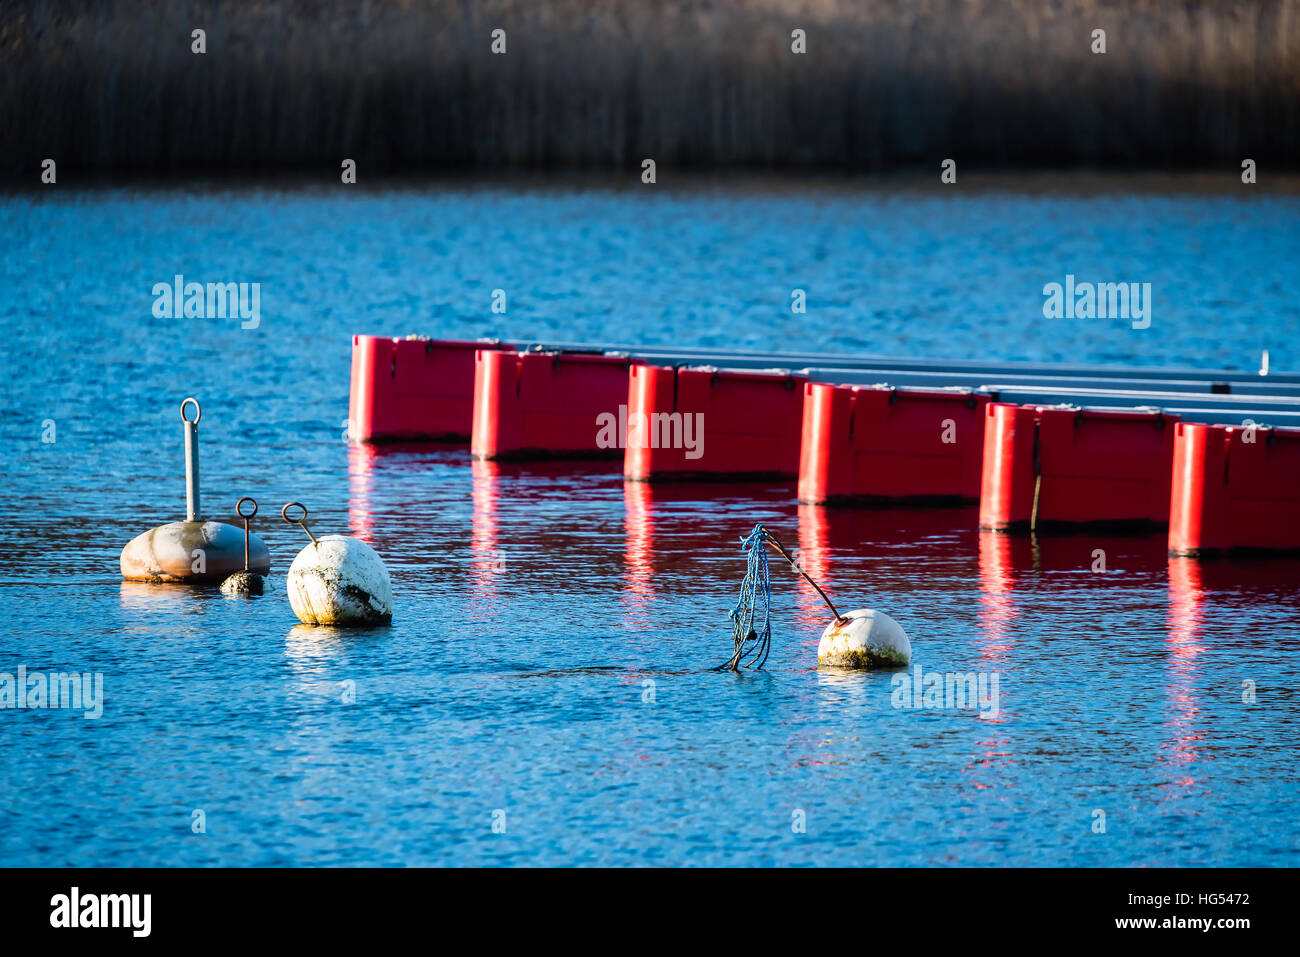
403	86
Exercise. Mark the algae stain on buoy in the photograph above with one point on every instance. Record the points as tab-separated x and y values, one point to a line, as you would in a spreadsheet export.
337	580
243	583
864	639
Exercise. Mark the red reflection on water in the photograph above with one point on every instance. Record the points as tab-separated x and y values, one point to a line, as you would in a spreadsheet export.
1186	597
638	550
486	559
675	532
997	596
991	758
814	557
998	611
361	482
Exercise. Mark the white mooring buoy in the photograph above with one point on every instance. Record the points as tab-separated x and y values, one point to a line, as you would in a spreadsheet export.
861	639
337	580
864	639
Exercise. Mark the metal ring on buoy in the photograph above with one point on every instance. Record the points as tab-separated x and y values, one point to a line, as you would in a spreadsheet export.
198	412
301	521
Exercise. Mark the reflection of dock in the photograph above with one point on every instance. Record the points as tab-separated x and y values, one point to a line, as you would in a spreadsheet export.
1213	455
638	572
998	610
490	534
664	538
1179	752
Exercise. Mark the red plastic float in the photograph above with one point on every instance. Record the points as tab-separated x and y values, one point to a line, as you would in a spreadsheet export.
1234	489
877	443
546	404
405	389
1046	465
701	423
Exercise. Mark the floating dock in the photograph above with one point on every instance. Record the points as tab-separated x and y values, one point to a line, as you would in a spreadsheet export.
1214	455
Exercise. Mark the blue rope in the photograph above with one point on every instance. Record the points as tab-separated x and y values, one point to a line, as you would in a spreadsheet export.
755	601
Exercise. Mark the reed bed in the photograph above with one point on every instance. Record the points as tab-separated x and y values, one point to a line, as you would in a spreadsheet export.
402	86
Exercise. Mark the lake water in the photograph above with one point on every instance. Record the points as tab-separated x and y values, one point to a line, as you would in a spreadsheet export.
548	668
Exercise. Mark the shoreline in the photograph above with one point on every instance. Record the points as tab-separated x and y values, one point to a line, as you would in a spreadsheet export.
1081	182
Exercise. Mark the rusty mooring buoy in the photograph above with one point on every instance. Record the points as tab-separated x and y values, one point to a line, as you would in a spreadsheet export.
192	550
247	581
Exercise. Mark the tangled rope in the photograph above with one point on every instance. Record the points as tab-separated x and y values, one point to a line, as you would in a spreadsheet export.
755	598
755	601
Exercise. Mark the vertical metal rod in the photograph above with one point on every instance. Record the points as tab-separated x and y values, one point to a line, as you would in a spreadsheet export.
191	472
192	506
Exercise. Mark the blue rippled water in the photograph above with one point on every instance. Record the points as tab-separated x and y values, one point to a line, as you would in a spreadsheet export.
547	670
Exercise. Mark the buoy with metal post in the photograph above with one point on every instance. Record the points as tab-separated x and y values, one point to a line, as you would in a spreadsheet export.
193	550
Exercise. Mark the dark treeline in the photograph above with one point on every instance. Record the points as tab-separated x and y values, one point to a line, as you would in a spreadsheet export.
404	86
